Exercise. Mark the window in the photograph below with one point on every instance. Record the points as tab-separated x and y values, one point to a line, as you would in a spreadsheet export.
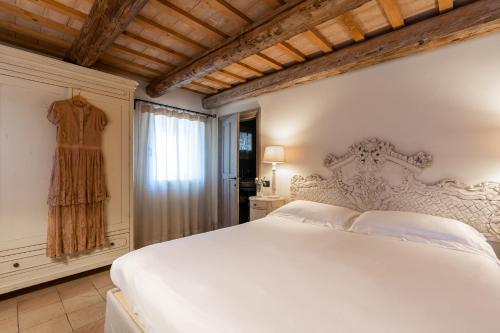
245	141
178	149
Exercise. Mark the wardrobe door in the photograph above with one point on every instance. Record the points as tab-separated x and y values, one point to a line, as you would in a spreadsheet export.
27	143
116	150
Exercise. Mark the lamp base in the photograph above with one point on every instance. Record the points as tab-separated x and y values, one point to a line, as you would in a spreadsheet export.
273	181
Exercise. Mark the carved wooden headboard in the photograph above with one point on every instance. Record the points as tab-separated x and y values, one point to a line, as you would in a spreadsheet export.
373	176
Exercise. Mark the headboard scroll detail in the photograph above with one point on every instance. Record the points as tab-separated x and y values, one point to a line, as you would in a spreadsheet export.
373	176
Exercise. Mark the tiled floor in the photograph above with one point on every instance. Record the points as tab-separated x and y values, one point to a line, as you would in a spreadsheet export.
75	306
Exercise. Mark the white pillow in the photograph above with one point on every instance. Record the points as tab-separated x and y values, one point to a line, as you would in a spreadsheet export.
317	213
423	228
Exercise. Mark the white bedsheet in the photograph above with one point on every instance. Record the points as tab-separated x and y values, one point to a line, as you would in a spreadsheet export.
276	275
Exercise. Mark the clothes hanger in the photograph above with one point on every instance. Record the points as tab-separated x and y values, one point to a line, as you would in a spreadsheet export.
79	100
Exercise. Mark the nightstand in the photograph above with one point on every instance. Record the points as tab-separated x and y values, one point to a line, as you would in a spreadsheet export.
261	206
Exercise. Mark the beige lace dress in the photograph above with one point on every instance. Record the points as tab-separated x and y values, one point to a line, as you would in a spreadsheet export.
77	187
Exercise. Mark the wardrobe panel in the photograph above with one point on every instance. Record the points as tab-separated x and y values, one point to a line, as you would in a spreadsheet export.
27	143
116	157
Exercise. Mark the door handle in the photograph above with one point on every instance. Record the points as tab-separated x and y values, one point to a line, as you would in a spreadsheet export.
236	183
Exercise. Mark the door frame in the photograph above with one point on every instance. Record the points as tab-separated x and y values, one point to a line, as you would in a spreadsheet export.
250	113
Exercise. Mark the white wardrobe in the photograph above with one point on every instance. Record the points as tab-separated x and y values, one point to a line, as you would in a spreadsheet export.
29	83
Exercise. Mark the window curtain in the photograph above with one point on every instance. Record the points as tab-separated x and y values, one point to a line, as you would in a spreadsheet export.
172	174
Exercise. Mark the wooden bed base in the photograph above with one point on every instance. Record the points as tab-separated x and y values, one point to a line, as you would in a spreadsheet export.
119	315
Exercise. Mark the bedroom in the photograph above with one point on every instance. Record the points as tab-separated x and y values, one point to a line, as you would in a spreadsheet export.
391	106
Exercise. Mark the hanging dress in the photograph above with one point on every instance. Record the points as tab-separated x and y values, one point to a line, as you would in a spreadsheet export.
76	219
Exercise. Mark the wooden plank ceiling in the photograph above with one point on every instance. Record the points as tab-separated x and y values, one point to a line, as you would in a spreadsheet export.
169	43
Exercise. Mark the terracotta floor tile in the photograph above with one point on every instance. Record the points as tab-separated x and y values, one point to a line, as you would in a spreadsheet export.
84	287
94	327
38	301
36	293
8	325
101	279
41	315
78	302
75	306
56	325
85	316
69	284
8	309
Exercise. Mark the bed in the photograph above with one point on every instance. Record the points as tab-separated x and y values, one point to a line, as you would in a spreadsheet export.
330	267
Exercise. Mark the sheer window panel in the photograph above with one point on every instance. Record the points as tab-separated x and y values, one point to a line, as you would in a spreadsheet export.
172	174
179	153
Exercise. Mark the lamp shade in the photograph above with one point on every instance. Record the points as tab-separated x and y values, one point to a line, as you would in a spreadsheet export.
274	154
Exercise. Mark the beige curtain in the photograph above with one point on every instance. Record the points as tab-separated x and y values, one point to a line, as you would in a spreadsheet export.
172	174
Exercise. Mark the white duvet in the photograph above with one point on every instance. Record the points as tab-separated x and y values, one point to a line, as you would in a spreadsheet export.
279	275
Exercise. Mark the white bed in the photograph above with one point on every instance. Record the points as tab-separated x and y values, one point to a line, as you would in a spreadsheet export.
279	274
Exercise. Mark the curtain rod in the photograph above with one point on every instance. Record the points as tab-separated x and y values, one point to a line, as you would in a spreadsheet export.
173	107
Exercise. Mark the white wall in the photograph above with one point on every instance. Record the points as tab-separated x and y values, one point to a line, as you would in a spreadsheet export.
178	97
445	101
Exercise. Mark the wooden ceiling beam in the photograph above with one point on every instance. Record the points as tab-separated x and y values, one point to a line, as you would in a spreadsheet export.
317	38
66	30
105	67
59	45
194	91
57	6
35	34
142	20
285	22
149	43
291	51
231	75
226	7
81	16
466	22
117	60
55	47
106	21
194	21
48	23
124	49
392	12
249	68
211	90
275	3
64	44
217	82
268	61
444	5
51	50
352	27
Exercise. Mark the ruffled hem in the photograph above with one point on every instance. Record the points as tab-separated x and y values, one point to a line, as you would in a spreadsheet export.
75	228
77	177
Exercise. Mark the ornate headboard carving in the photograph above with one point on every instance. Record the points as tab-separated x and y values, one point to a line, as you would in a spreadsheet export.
373	176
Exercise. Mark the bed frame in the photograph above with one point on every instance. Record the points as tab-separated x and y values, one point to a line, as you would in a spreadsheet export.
119	315
372	175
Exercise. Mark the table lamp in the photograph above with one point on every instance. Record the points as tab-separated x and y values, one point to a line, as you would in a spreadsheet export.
274	155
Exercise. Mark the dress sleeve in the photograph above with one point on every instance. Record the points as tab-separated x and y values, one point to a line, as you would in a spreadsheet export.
54	114
102	120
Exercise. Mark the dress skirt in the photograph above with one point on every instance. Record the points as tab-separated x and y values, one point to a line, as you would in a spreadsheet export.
76	219
75	228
